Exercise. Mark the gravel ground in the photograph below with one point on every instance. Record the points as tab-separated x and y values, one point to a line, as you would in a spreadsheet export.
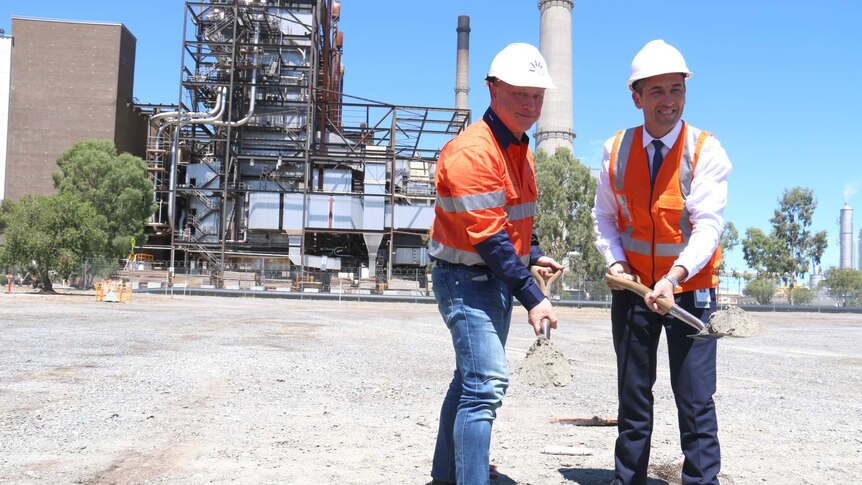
235	390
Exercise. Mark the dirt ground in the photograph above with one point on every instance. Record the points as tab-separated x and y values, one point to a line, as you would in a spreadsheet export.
237	390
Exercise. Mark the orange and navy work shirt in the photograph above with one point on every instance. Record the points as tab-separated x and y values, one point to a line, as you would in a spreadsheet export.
653	221
486	203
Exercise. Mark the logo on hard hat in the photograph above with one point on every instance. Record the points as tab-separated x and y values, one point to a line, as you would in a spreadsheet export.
537	67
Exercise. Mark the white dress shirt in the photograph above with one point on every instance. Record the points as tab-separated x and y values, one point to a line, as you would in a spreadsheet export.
705	203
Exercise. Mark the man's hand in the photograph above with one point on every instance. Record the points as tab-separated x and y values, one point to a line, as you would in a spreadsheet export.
543	310
547	266
662	289
620	269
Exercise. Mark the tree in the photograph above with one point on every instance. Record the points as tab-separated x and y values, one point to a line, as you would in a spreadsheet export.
791	246
843	284
791	223
761	289
729	240
564	223
802	295
116	185
759	250
50	235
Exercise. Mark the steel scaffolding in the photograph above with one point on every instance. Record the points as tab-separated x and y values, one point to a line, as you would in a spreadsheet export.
267	157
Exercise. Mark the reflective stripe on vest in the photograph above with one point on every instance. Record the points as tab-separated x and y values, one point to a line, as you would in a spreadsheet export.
472	202
520	211
487	201
452	255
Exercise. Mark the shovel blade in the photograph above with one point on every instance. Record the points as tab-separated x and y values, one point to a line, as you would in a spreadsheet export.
704	336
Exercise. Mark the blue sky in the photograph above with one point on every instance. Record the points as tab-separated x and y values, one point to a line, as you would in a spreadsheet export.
776	81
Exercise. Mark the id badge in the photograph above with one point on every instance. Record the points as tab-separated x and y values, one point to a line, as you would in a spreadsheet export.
701	298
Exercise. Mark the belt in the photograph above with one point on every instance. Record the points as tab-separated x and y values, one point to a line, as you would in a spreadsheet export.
446	264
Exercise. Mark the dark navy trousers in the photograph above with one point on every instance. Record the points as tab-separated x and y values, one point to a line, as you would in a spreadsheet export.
637	331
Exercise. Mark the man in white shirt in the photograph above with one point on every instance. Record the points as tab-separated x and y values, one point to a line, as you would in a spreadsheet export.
658	216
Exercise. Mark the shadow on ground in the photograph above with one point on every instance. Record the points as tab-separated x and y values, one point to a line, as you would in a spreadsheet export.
595	476
502	479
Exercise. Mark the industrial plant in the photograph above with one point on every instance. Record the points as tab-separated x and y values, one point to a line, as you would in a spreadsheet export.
268	160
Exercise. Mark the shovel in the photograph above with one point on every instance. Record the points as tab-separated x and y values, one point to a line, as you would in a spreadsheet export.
545	366
668	305
545	286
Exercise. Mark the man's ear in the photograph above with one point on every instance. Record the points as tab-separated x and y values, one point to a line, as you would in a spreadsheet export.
637	99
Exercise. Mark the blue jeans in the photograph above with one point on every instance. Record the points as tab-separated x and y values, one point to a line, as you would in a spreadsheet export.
477	308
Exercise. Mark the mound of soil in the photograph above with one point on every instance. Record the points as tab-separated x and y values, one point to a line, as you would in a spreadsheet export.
734	322
545	366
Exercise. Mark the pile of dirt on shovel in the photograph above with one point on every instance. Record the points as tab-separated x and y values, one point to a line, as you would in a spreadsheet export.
545	366
733	322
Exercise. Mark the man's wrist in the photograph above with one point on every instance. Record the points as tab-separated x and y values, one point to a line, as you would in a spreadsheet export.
673	281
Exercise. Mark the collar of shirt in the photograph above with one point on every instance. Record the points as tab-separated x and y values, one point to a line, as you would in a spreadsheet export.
668	140
503	135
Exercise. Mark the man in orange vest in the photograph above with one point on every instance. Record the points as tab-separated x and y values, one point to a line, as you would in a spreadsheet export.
482	242
658	216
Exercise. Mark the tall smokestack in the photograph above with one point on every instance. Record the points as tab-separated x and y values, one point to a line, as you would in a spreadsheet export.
859	253
846	241
462	79
555	128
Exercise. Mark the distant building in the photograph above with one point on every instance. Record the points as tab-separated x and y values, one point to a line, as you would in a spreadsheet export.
70	81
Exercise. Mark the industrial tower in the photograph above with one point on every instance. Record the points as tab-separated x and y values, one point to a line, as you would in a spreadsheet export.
555	127
846	241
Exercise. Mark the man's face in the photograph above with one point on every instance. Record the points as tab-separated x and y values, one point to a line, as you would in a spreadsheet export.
518	107
662	99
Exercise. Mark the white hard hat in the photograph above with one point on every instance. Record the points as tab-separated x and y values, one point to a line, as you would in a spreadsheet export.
657	57
521	65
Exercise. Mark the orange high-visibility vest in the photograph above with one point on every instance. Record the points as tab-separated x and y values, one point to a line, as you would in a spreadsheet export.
653	222
482	190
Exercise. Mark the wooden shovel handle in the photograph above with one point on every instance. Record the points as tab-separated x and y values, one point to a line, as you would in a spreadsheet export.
639	288
545	286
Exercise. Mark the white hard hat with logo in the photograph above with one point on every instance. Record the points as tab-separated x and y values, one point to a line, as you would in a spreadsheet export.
521	65
657	57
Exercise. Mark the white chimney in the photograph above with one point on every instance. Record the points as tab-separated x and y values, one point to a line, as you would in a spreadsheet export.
846	241
555	127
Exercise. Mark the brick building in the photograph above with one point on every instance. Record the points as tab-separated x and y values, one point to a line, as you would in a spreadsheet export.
69	81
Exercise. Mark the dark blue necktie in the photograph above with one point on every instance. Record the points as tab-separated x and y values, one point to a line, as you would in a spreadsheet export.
656	160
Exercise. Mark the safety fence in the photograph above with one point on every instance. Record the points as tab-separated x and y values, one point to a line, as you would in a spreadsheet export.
279	275
113	291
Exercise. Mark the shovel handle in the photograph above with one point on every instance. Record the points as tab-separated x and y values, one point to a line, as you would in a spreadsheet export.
545	286
667	304
639	288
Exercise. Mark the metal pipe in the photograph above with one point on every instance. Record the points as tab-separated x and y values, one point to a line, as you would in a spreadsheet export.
172	182
194	114
215	114
252	93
